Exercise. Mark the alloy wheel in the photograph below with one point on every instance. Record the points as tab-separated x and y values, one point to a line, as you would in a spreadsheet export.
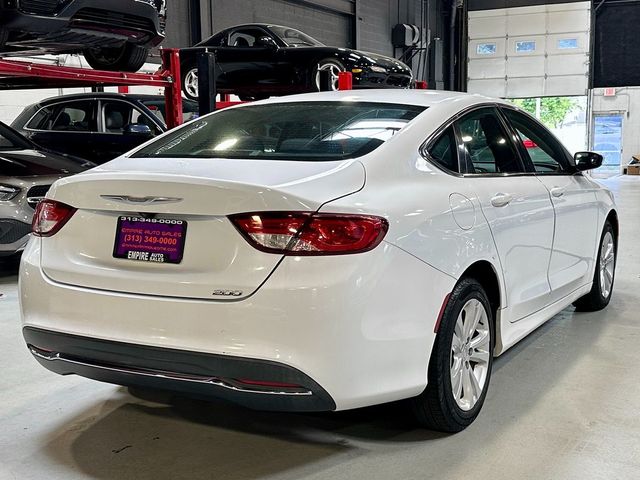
191	83
607	264
470	354
334	72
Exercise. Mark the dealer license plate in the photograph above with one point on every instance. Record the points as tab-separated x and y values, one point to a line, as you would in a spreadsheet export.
155	240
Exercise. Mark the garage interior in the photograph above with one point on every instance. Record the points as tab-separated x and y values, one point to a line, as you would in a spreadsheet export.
562	402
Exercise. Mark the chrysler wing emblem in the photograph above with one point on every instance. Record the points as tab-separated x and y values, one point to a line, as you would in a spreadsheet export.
140	200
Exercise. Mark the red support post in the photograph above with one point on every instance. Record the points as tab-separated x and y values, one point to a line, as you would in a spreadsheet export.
421	85
345	81
173	91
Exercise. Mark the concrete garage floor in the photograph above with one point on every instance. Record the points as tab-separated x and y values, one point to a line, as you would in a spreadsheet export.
563	404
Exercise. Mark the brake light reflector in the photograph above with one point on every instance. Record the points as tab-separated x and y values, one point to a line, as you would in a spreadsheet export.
50	217
305	233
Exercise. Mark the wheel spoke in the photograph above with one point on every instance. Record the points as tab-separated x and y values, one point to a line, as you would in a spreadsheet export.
477	315
480	357
481	340
475	386
469	313
467	388
456	382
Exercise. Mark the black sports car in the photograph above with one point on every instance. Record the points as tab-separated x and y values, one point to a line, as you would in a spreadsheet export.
258	60
112	35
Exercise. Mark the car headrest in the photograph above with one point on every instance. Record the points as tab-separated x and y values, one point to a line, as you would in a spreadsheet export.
241	42
63	121
114	120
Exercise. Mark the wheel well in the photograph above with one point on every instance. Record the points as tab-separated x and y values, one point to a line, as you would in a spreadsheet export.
613	219
484	273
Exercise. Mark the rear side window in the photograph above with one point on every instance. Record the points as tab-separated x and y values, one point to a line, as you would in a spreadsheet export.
40	120
489	149
304	131
444	151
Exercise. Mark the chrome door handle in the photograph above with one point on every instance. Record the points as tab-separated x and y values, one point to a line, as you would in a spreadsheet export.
501	200
557	192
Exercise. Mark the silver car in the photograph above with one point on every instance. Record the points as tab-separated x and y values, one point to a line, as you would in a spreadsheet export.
26	173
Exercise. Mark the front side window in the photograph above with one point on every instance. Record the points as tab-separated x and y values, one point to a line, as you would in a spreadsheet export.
488	147
545	152
304	131
444	151
295	38
117	115
250	37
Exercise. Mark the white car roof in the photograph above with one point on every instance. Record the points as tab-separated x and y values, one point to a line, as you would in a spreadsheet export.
424	98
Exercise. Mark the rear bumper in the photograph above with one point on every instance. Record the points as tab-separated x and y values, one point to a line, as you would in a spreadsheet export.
191	373
136	22
361	330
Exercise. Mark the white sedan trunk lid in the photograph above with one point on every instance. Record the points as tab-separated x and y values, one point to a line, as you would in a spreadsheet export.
217	263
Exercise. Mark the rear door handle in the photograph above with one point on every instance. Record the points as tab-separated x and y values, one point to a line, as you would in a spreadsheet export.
557	192
501	200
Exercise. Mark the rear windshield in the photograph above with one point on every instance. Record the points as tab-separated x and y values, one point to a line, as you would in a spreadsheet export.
305	131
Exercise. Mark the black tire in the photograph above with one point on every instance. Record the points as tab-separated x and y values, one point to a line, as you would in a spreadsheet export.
596	300
128	58
436	408
184	72
322	64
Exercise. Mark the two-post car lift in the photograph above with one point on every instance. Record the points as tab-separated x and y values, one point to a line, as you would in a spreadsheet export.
18	74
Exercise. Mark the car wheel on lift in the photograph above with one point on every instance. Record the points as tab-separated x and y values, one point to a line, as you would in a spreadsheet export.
128	58
190	81
334	67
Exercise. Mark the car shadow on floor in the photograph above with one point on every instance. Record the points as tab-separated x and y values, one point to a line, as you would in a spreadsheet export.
149	435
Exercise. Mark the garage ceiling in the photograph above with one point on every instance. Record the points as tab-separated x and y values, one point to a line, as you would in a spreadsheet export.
533	51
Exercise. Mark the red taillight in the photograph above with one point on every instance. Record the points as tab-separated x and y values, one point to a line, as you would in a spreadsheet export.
304	233
50	217
529	143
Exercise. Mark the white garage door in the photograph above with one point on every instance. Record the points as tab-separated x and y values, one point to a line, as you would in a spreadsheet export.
530	51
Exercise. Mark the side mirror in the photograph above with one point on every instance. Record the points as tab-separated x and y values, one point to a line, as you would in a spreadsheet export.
138	130
587	160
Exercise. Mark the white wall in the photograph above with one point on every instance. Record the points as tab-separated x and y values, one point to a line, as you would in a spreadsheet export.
627	101
12	102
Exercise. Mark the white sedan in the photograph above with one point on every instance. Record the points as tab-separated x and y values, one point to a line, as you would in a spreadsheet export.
320	252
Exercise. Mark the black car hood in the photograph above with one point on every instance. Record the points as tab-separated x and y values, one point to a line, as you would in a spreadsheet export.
380	60
27	163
